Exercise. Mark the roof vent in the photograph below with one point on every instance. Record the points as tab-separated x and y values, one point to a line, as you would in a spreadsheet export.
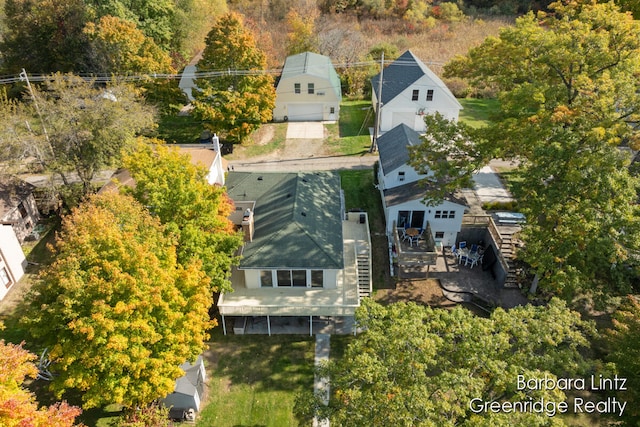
305	180
303	213
260	178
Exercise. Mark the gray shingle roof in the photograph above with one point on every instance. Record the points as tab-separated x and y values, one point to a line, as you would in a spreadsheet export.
392	147
402	73
412	191
298	219
312	64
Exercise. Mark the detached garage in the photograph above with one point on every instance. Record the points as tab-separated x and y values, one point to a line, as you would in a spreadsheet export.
308	90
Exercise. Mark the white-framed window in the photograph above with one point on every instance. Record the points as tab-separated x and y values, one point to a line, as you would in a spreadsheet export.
310	88
415	95
401	176
296	87
289	278
429	94
4	277
317	278
445	214
439	234
266	279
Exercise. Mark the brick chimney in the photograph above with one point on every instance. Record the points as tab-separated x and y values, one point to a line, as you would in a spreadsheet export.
247	225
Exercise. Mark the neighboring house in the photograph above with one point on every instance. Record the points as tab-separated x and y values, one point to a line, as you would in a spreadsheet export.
402	193
409	91
18	206
208	157
12	259
301	257
188	391
308	90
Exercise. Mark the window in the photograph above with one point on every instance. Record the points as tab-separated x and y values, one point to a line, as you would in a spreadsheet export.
310	88
287	278
429	94
332	110
415	95
4	277
296	87
22	210
445	214
401	176
439	234
266	279
317	278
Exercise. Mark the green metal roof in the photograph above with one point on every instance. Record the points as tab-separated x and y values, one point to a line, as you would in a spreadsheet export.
312	64
297	219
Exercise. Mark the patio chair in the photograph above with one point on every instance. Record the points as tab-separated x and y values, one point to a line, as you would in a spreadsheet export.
474	248
462	244
455	252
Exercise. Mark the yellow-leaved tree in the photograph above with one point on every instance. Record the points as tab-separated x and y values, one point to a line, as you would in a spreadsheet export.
117	311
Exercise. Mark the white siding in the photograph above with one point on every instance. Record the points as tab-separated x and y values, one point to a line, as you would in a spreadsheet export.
305	106
450	227
12	259
392	179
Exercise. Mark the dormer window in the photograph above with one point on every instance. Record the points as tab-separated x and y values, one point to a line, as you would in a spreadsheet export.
415	95
429	94
401	176
296	87
310	88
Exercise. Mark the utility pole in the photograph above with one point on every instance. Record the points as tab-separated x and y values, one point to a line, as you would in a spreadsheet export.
374	143
25	77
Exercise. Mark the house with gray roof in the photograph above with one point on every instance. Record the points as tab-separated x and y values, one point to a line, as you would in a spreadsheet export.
18	206
303	255
308	89
402	190
409	91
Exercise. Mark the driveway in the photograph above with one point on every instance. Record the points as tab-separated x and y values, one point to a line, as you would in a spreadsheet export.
305	130
489	188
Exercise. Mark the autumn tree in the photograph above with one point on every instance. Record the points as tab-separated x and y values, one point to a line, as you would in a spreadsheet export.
191	209
73	125
421	366
300	33
623	345
568	92
117	311
18	406
119	47
239	96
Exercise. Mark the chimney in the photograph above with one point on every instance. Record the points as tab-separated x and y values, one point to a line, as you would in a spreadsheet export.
247	225
216	142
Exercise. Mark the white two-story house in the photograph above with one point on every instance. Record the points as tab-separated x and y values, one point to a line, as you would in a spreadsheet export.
403	192
409	91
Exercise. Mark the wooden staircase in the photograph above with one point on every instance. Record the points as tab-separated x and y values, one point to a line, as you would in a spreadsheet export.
507	248
363	259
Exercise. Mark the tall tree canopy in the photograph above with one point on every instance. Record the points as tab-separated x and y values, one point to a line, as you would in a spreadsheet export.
420	366
623	345
18	406
75	126
116	310
191	209
568	92
119	47
233	104
45	36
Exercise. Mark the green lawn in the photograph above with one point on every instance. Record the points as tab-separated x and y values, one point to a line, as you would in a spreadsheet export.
350	136
477	112
256	379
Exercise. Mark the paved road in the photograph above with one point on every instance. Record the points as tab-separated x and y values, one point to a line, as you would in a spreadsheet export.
305	164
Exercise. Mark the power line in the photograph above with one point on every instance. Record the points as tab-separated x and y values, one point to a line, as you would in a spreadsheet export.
105	78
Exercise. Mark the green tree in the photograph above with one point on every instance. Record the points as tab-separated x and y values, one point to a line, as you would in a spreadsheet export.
623	343
240	96
420	366
119	47
76	126
192	210
45	36
568	91
116	310
18	405
448	155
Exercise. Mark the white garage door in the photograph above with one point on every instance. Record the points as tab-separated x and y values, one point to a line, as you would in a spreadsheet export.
304	112
408	118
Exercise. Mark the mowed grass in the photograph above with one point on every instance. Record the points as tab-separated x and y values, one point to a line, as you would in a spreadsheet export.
350	136
477	112
253	380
